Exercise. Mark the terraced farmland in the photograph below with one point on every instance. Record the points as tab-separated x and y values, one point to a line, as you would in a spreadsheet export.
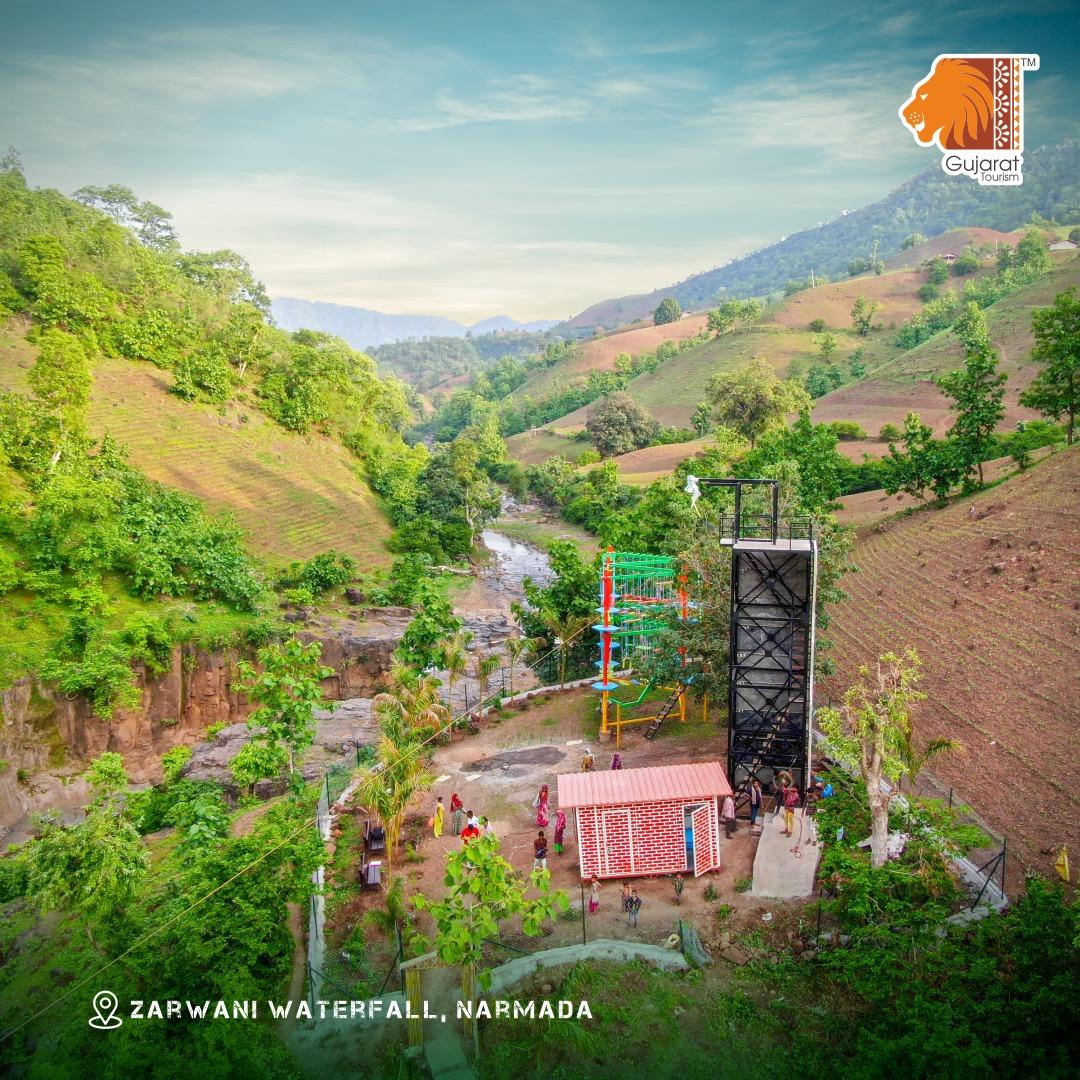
988	591
293	496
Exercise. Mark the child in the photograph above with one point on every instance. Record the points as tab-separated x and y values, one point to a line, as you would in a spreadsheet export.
594	895
470	832
587	761
626	896
679	885
634	906
436	821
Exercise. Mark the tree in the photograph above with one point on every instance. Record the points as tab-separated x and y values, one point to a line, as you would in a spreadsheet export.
61	380
97	867
720	319
870	730
925	462
408	712
421	644
753	399
827	346
937	271
288	689
751	311
563	628
857	364
967	262
617	424
150	223
454	659
483	890
978	391
1055	391
912	240
669	310
862	314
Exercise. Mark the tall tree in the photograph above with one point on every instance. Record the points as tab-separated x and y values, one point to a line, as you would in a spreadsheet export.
870	731
753	399
617	424
669	310
978	391
1055	392
287	686
862	314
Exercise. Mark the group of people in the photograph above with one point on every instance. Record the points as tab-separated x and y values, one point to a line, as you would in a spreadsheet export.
463	823
587	763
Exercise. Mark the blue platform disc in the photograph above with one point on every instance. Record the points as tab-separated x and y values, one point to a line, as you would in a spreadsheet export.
605	686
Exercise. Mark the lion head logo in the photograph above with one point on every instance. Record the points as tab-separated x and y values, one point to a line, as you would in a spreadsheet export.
954	106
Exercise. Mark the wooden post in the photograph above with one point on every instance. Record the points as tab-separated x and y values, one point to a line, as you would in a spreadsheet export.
416	1006
468	993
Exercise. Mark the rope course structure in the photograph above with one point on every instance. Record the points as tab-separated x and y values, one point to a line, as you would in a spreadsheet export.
637	592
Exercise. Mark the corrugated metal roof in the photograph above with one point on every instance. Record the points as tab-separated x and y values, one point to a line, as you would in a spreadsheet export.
656	784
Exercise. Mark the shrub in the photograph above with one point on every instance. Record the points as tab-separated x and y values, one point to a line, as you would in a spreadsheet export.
817	326
847	430
744	884
890	433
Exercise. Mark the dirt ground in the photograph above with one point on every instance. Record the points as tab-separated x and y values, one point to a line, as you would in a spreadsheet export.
498	772
996	624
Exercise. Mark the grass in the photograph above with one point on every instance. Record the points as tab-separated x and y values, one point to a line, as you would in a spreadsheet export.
294	496
533	527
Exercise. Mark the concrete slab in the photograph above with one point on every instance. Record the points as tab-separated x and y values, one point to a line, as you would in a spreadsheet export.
779	871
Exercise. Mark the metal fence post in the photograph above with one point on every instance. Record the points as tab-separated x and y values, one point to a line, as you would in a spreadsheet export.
583	941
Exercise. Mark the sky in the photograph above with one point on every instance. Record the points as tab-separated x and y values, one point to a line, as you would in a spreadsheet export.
474	159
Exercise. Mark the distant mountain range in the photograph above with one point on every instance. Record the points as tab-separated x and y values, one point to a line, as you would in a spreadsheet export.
930	203
366	329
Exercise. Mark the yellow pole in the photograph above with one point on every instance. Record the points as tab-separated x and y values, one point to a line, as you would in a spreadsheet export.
682	707
603	712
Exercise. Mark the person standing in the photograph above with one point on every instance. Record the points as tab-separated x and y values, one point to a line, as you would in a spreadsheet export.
782	781
728	814
457	814
540	851
616	760
587	761
791	800
626	896
560	830
679	886
594	895
472	820
543	814
755	800
486	827
436	821
634	906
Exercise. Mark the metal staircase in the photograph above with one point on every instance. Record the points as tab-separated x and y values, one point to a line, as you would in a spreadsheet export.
665	711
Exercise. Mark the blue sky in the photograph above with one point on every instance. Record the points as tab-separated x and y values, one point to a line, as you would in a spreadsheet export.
473	159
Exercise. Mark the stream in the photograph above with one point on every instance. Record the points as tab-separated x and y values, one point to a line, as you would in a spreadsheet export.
511	563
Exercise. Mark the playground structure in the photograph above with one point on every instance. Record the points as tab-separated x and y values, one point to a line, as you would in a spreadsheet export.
636	593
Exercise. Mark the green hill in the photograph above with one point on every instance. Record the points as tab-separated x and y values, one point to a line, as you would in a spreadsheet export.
930	203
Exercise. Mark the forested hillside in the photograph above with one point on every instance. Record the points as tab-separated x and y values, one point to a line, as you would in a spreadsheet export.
929	203
143	392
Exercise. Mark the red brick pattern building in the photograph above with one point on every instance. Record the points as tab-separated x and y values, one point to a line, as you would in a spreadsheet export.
643	822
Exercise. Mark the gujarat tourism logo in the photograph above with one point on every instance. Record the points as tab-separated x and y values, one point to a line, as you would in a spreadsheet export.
972	109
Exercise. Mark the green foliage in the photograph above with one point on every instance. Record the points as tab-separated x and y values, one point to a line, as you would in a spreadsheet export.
928	292
817	326
862	314
753	399
890	433
924	463
287	687
1055	391
617	424
482	891
669	310
857	364
937	271
847	430
422	641
173	762
258	760
321	574
912	240
977	393
822	379
966	263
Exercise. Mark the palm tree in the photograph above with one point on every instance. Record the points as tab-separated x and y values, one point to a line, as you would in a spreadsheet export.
455	658
915	760
484	666
515	650
564	628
